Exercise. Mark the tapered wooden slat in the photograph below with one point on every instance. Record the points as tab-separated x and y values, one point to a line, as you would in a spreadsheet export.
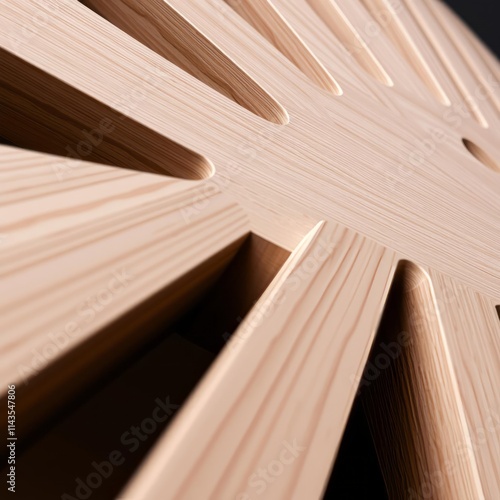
407	28
451	59
341	25
306	22
408	388
223	96
287	378
394	20
457	55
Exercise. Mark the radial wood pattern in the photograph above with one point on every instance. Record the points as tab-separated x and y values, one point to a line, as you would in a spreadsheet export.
173	142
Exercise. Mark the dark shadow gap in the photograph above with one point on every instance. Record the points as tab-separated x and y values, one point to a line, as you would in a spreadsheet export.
160	27
395	444
42	113
267	20
96	443
5	142
356	474
481	155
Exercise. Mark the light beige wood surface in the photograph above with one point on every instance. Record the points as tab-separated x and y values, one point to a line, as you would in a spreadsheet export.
361	136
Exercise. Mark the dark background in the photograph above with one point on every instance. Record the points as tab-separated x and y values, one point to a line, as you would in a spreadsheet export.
483	17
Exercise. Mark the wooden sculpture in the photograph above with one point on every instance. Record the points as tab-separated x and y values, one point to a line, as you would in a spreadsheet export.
309	187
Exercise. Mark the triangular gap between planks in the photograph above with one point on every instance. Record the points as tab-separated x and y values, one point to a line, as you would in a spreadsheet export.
269	22
339	24
42	113
159	26
410	404
292	359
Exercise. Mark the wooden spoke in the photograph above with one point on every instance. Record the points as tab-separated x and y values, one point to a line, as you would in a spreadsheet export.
121	239
471	328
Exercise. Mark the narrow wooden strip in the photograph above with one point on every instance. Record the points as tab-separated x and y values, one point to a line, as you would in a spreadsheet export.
472	330
460	35
451	59
462	62
401	34
268	417
342	27
324	45
409	387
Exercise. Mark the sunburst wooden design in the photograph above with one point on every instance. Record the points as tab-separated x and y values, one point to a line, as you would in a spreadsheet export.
286	204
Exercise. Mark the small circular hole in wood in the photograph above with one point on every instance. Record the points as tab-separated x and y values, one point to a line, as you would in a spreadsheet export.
481	155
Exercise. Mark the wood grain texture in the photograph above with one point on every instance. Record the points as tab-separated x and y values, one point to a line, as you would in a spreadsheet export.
160	27
472	328
304	349
68	273
268	21
371	125
410	369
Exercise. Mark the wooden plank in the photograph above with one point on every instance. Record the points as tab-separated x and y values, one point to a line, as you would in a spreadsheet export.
283	387
471	327
200	94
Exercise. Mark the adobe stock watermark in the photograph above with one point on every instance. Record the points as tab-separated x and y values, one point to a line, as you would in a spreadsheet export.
131	440
263	477
91	139
85	313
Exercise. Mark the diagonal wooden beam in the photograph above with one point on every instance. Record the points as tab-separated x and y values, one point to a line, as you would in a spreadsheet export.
283	387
